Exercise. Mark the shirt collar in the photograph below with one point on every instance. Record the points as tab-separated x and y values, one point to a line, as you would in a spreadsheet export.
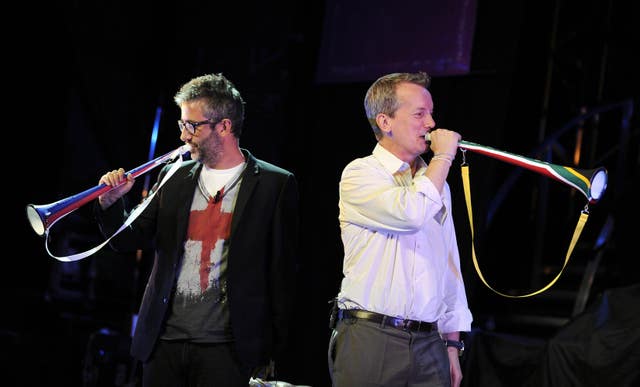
393	164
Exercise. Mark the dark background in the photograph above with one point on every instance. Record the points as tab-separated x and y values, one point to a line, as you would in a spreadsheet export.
84	81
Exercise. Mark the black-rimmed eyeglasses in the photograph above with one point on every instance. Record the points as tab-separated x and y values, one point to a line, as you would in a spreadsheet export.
191	126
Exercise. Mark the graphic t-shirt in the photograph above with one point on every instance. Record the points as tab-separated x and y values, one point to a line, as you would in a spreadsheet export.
199	308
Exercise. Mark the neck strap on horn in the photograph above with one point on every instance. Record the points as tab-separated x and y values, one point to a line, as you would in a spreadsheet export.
576	234
132	216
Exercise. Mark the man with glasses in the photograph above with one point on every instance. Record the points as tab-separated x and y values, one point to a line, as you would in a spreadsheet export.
224	227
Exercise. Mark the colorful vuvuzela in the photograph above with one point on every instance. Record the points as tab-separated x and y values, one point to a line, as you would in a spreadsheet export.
591	183
42	217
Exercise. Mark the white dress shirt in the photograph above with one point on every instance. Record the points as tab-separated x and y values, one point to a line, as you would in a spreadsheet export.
401	254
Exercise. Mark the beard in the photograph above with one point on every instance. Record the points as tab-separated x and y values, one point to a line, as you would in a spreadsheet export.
209	150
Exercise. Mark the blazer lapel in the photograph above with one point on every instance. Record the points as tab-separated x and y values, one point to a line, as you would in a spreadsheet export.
248	184
185	196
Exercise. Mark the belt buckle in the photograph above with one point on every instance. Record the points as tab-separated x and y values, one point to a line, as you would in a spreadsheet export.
394	322
405	325
388	321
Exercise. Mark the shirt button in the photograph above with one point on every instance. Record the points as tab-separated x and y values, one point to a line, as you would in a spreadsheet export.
164	300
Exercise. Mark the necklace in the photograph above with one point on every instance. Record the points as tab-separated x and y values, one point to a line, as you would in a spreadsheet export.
222	191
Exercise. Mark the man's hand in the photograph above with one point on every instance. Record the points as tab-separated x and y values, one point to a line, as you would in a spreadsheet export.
122	184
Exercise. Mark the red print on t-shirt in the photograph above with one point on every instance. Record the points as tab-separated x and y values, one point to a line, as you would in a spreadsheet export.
208	226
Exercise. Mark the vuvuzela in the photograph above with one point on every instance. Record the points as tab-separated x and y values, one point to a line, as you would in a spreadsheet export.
591	182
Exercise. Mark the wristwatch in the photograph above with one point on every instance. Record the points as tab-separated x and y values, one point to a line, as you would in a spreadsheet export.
457	344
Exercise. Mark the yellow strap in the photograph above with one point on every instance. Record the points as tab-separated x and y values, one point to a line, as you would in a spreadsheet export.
576	234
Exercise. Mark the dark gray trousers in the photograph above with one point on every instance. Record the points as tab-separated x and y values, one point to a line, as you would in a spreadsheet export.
184	364
365	354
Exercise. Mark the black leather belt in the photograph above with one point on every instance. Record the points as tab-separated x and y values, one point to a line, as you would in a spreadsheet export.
388	321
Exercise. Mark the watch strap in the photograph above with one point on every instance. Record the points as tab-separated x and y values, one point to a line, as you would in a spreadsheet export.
457	344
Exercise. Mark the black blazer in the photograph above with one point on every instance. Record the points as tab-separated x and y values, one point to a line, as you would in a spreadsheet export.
261	265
